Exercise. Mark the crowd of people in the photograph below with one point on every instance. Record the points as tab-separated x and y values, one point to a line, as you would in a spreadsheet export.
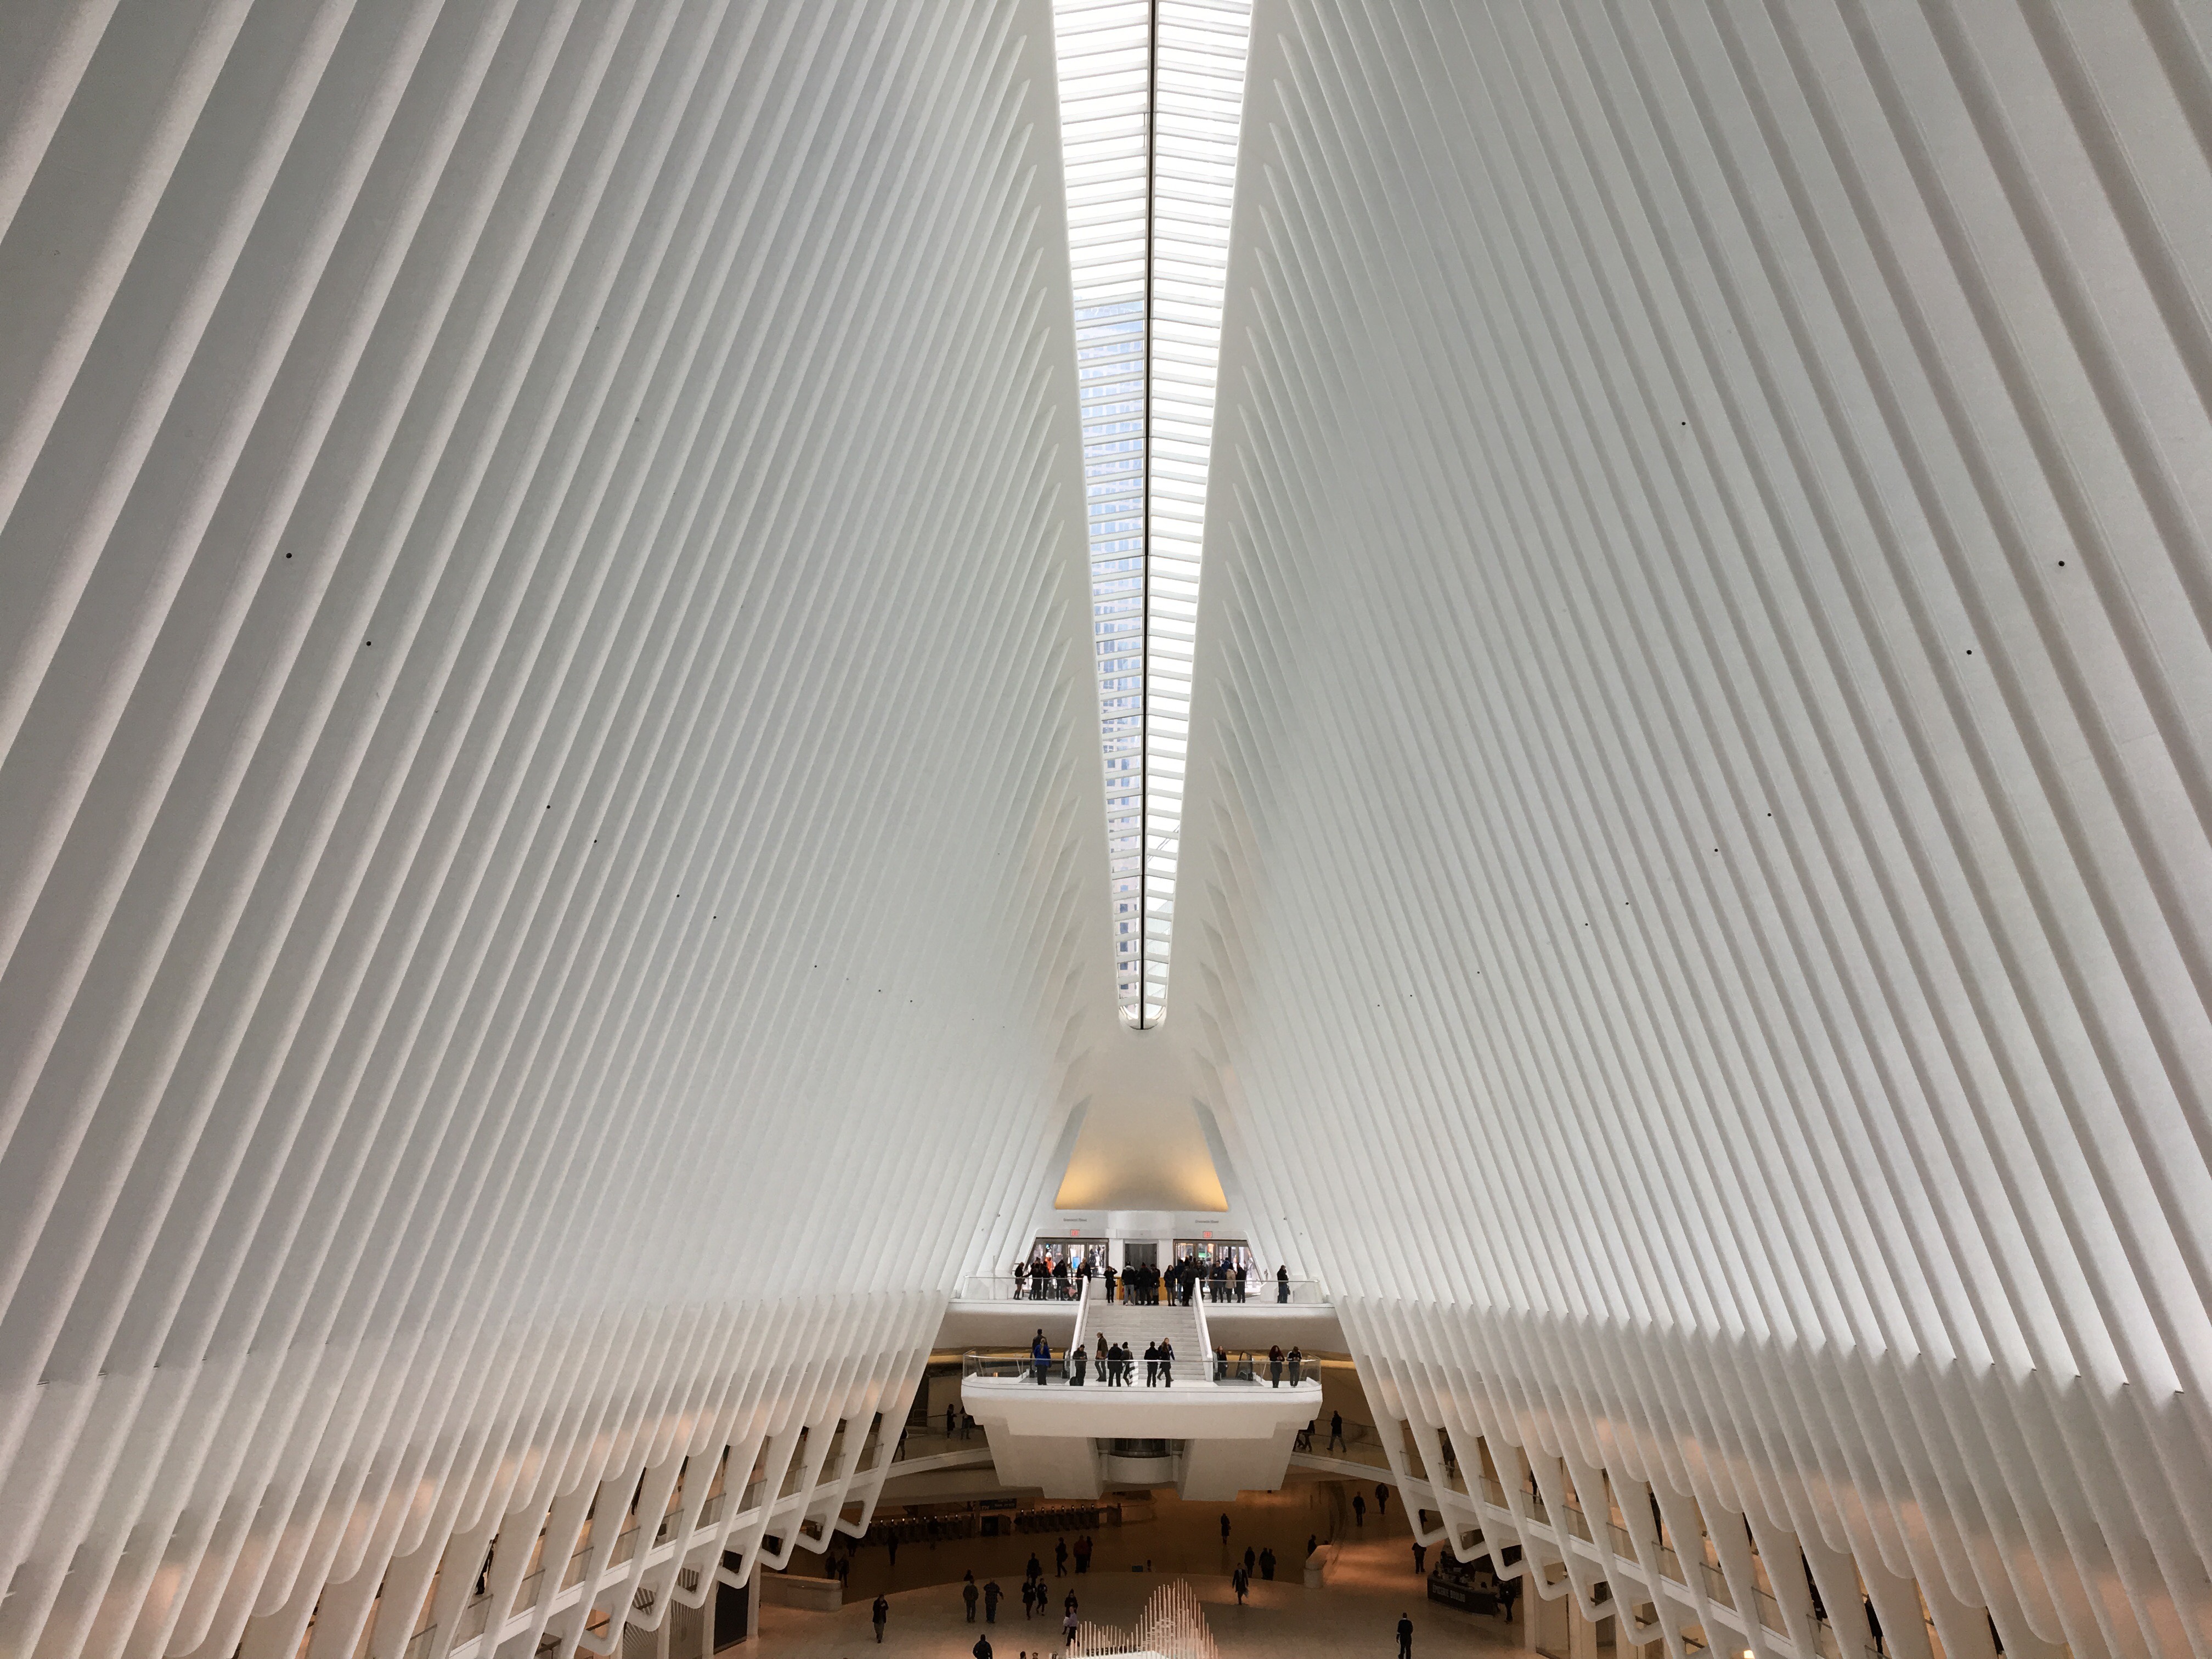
1048	1277
1115	1363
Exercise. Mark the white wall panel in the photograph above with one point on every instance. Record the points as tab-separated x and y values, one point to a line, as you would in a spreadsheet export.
543	690
1694	872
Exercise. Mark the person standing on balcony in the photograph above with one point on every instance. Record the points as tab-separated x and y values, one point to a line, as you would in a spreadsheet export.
1282	1284
1078	1358
1151	1364
1110	1277
1167	1364
1297	1361
1275	1365
1040	1357
1021	1278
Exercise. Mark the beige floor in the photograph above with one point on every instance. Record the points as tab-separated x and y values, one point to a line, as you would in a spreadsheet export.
1357	1613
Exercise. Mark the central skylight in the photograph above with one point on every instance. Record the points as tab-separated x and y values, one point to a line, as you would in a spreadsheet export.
1150	92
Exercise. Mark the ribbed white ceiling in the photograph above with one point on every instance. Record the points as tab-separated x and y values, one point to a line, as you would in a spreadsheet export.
545	763
549	825
1695	869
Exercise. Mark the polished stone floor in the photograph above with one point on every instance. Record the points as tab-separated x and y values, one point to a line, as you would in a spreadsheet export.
1357	1612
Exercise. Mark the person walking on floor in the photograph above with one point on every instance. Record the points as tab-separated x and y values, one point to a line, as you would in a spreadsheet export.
890	1545
1250	1559
1082	1553
1420	1557
1067	1629
1358	1509
1029	1596
1059	1559
982	1648
968	1593
1225	1530
1035	1569
1382	1500
1336	1434
1240	1581
1275	1365
1405	1636
991	1596
880	1615
1268	1564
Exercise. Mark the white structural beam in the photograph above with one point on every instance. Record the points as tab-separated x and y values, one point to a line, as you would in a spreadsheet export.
1694	877
544	760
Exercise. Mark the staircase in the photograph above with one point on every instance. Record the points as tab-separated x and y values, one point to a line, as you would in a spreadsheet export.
1136	1327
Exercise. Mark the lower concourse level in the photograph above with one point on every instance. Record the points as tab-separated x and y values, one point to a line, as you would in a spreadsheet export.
1351	1602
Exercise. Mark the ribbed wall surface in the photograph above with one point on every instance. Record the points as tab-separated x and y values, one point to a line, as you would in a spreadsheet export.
1695	875
545	757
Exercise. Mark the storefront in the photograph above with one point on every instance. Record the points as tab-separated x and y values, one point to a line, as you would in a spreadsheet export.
1050	1253
1229	1252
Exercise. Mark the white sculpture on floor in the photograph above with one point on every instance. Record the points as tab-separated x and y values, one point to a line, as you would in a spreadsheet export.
1173	1625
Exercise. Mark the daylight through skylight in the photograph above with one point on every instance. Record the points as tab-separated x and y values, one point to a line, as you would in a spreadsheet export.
1150	95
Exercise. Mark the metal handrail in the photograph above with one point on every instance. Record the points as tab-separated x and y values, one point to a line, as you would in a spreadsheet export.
1000	1287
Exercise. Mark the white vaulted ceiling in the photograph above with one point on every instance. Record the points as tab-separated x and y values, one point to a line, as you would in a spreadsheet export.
551	824
1694	875
548	760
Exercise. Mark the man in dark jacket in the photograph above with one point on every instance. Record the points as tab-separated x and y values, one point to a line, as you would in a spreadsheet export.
992	1595
1405	1636
880	1614
968	1594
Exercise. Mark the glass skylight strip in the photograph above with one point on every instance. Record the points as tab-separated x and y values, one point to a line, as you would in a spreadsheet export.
1151	94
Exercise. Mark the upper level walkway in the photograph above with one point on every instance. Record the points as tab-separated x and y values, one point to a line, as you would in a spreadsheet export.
1217	1431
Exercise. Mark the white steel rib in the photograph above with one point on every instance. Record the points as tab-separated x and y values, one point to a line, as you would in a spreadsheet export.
1695	888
